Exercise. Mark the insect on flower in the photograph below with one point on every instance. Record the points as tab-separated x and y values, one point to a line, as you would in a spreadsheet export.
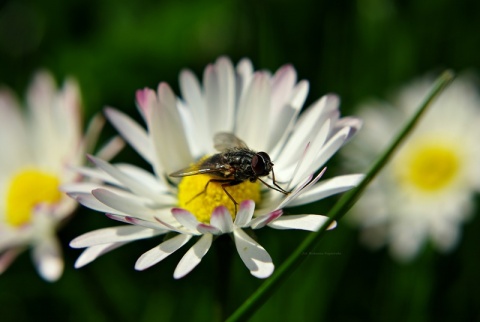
233	165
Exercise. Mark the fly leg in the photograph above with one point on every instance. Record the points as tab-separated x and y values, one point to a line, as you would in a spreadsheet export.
277	187
225	183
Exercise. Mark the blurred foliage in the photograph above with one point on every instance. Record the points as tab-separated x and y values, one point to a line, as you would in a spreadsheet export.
357	49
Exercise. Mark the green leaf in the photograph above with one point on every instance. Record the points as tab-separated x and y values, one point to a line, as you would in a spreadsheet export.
338	211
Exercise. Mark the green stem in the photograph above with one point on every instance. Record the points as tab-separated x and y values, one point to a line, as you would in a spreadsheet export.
338	211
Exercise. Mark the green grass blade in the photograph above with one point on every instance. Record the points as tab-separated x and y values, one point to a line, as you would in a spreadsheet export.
337	212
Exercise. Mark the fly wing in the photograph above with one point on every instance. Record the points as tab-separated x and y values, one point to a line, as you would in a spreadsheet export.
209	166
223	141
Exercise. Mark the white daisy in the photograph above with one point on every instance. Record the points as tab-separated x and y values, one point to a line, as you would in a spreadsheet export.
261	109
37	149
426	191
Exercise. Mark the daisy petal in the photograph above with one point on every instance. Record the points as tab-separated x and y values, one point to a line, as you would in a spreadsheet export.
303	222
89	201
47	256
222	219
7	257
193	256
254	256
167	132
256	101
93	252
208	229
327	188
127	204
133	133
245	213
185	218
162	251
113	235
136	186
261	221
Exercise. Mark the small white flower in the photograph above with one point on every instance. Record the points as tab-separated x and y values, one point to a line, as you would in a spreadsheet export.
426	191
37	149
261	109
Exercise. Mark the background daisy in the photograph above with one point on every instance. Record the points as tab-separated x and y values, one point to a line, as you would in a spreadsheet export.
426	192
39	146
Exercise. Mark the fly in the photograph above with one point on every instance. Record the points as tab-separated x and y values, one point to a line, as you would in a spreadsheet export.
234	164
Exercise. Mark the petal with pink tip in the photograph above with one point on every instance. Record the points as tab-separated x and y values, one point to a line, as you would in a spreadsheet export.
327	188
162	251
222	219
114	235
93	252
261	221
254	256
133	133
303	222
193	256
245	213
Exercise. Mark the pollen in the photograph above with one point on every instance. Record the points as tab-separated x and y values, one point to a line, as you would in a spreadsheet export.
28	189
201	202
430	166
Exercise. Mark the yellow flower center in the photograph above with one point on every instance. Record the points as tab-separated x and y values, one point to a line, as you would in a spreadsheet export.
429	167
28	189
193	196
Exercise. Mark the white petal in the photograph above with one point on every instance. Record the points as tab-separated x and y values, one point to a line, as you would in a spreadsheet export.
193	256
245	213
113	235
192	94
7	257
142	175
323	155
157	254
327	188
219	83
89	201
133	133
93	252
282	86
285	123
306	128
185	218
13	133
307	164
168	134
96	174
254	111
262	221
254	256
110	149
132	183
303	222
244	72
125	203
78	187
208	229
155	225
222	219
47	256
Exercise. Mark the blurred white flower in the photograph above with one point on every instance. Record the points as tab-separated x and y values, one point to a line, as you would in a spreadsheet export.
261	109
426	191
38	147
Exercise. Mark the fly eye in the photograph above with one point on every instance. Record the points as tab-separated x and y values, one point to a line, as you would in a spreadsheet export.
261	164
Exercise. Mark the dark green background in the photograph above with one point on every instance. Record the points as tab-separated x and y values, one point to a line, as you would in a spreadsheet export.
357	49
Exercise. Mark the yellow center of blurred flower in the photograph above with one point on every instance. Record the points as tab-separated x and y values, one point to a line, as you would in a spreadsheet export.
28	189
430	167
201	204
